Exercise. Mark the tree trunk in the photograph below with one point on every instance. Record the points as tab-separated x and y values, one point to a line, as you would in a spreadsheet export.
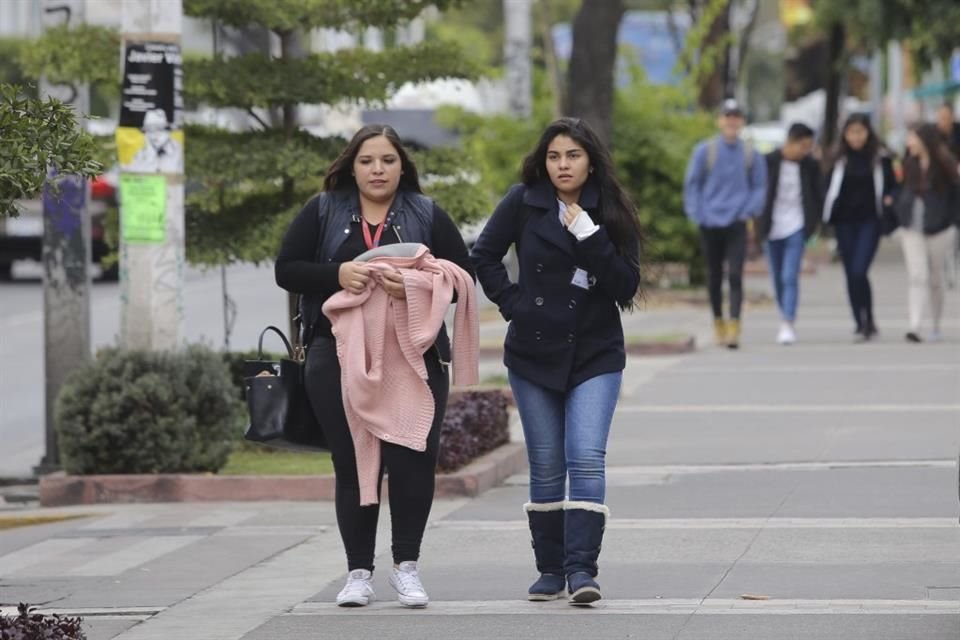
832	109
590	77
291	47
544	22
713	87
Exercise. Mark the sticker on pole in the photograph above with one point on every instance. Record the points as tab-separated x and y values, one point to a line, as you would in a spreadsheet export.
143	207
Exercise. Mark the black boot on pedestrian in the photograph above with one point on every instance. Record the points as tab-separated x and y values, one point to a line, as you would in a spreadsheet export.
584	526
546	536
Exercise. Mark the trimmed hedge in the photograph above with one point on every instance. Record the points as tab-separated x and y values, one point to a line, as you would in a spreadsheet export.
34	626
149	412
476	422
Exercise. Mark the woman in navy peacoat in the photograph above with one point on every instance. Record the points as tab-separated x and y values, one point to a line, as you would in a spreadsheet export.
577	240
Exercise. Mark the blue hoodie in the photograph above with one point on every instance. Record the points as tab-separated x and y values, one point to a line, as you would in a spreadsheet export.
720	197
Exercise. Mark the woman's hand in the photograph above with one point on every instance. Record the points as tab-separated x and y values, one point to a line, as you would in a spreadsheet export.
354	276
570	215
392	282
888	200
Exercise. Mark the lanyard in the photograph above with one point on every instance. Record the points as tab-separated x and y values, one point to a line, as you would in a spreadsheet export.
375	240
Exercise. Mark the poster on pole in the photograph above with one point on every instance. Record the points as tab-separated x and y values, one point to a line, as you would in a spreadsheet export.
150	131
143	200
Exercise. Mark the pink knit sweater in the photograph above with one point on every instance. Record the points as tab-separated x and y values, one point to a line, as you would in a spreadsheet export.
377	334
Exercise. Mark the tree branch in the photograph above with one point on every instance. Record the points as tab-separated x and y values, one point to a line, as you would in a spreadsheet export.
253	114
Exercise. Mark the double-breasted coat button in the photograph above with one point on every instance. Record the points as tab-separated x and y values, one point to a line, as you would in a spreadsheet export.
538	301
573	303
538	335
570	337
539	267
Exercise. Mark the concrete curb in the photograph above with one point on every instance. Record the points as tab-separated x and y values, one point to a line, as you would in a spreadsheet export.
60	489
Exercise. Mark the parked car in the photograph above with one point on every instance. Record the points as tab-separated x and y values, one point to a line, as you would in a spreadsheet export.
21	238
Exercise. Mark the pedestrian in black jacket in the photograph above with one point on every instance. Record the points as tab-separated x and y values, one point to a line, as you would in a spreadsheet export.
790	216
371	197
577	239
861	184
928	210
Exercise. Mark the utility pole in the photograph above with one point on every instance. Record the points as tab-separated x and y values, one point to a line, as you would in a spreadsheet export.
517	42
65	255
150	149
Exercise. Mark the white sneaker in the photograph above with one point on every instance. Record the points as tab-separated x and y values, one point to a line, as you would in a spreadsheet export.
935	336
406	580
358	592
786	334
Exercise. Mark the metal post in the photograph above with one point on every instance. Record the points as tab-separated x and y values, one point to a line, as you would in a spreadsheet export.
517	42
66	254
150	149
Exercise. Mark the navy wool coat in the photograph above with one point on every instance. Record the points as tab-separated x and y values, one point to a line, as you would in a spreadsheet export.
564	320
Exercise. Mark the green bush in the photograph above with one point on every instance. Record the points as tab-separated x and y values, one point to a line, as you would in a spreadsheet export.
149	412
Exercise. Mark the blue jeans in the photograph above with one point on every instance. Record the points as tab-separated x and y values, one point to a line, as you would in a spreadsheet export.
785	257
858	244
566	434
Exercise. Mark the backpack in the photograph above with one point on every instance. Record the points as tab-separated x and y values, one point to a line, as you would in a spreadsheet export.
748	155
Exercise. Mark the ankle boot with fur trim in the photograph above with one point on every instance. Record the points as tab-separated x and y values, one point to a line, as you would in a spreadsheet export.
546	536
584	524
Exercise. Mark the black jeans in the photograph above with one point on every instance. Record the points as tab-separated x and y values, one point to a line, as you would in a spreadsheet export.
857	243
410	480
725	244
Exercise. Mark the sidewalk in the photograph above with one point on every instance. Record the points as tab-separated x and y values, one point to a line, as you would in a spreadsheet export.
820	476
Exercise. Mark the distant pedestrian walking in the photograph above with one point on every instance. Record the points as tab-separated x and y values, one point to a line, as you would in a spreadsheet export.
790	216
725	185
371	195
928	210
577	238
861	184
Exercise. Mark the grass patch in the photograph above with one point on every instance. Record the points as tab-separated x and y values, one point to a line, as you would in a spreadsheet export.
266	462
11	522
498	380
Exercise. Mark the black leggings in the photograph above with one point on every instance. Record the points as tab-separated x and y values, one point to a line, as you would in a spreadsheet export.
725	244
410	480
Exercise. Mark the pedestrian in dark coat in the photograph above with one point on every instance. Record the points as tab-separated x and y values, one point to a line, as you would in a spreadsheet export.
577	239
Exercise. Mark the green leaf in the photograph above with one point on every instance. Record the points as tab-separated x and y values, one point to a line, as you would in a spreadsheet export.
289	15
255	80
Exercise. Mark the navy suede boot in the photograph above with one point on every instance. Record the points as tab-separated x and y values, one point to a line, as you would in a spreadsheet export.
584	524
546	532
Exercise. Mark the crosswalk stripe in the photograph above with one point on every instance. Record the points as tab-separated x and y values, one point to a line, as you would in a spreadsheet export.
41	552
789	408
691	606
133	556
719	523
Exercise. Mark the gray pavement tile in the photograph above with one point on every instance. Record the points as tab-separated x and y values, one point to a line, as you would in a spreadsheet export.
407	626
804	627
836	581
97	628
594	624
683	438
875	547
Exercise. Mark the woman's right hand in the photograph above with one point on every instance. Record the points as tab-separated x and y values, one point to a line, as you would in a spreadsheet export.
354	276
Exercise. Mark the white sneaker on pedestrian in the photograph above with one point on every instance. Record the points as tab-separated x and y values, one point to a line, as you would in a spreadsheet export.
935	336
358	592
406	580
786	335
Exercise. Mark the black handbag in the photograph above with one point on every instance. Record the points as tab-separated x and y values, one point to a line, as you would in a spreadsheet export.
280	412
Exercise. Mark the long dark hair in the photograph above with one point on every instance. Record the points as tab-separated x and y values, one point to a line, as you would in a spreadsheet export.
943	167
871	147
340	173
616	211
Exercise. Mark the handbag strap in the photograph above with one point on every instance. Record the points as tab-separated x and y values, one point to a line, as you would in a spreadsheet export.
286	342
